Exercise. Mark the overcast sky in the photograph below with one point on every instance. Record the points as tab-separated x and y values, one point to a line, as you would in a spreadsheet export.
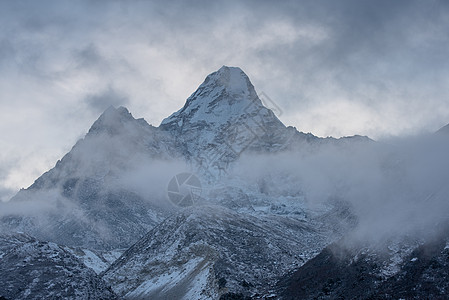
377	68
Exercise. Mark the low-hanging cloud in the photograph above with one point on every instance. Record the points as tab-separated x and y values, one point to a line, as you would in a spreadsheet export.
110	165
395	188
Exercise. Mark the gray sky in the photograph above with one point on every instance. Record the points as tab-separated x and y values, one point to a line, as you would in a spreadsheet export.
377	68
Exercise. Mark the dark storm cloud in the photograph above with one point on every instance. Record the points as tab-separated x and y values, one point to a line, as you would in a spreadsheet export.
110	97
366	38
89	57
387	56
6	51
390	38
370	38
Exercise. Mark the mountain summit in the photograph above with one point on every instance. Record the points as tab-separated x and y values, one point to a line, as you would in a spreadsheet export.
222	118
223	95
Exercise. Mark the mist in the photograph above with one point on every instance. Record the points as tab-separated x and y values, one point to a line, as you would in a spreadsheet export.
118	168
395	188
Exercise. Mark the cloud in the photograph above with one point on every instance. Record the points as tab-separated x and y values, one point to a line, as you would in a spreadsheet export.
109	97
5	192
356	67
395	188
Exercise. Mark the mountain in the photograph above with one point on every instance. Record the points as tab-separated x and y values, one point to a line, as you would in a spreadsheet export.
83	201
9	241
226	98
397	269
223	118
245	230
207	251
97	197
40	270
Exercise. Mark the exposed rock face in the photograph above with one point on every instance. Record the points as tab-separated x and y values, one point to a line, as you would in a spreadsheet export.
405	269
40	270
203	252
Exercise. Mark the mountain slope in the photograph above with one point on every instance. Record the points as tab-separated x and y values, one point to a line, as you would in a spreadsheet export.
39	270
204	252
401	269
84	197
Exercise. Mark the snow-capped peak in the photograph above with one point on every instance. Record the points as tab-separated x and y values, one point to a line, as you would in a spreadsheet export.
223	96
223	117
233	80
